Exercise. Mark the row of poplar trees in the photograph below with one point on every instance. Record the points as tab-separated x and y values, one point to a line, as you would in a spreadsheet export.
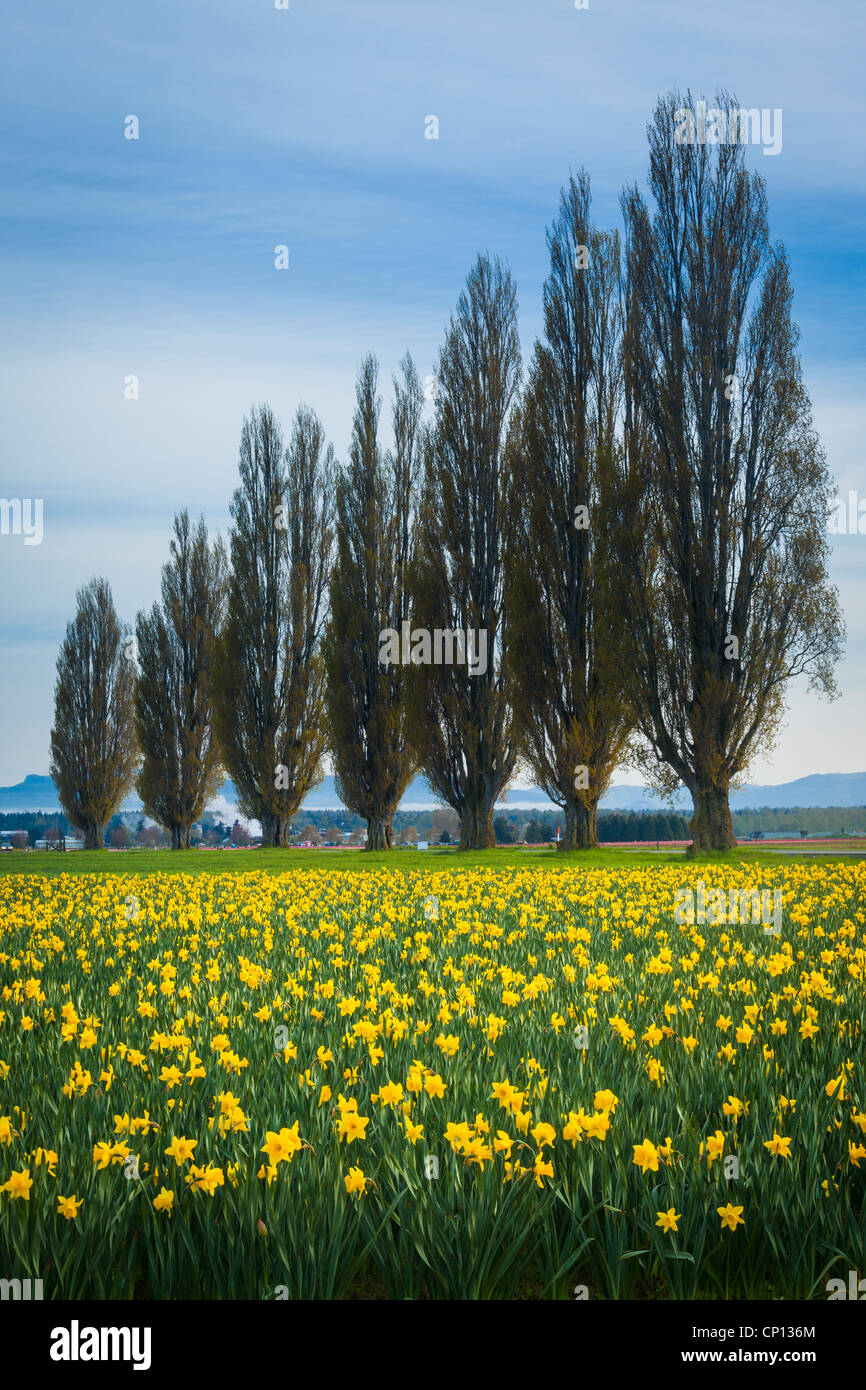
639	525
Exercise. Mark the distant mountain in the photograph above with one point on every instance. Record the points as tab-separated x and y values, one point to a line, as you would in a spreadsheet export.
629	798
819	789
33	794
37	793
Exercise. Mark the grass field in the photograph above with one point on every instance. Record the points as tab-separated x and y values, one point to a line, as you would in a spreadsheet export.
430	1074
281	861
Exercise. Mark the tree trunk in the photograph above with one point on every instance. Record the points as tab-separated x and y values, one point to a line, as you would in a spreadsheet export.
275	830
476	829
591	826
268	828
711	827
378	833
93	835
180	836
580	826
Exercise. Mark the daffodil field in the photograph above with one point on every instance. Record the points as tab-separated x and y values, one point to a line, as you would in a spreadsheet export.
467	1084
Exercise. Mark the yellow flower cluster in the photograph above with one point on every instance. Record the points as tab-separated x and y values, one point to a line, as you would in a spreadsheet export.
343	1014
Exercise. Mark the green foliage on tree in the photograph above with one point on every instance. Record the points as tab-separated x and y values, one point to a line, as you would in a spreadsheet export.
269	689
376	497
460	721
722	536
93	747
571	709
174	699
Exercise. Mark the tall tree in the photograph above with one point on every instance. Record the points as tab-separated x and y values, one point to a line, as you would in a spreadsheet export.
93	748
269	688
461	719
180	769
726	491
570	706
368	594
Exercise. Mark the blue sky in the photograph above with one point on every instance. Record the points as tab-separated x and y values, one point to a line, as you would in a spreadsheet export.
305	127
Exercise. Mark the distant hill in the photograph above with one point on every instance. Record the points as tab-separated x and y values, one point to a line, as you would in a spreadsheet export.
33	794
38	793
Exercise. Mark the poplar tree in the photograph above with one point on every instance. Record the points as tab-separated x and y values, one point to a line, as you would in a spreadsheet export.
376	496
722	530
270	708
174	695
571	709
93	747
460	722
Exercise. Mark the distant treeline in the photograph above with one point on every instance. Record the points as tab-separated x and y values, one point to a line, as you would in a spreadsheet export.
36	823
642	825
832	820
621	825
542	825
661	825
